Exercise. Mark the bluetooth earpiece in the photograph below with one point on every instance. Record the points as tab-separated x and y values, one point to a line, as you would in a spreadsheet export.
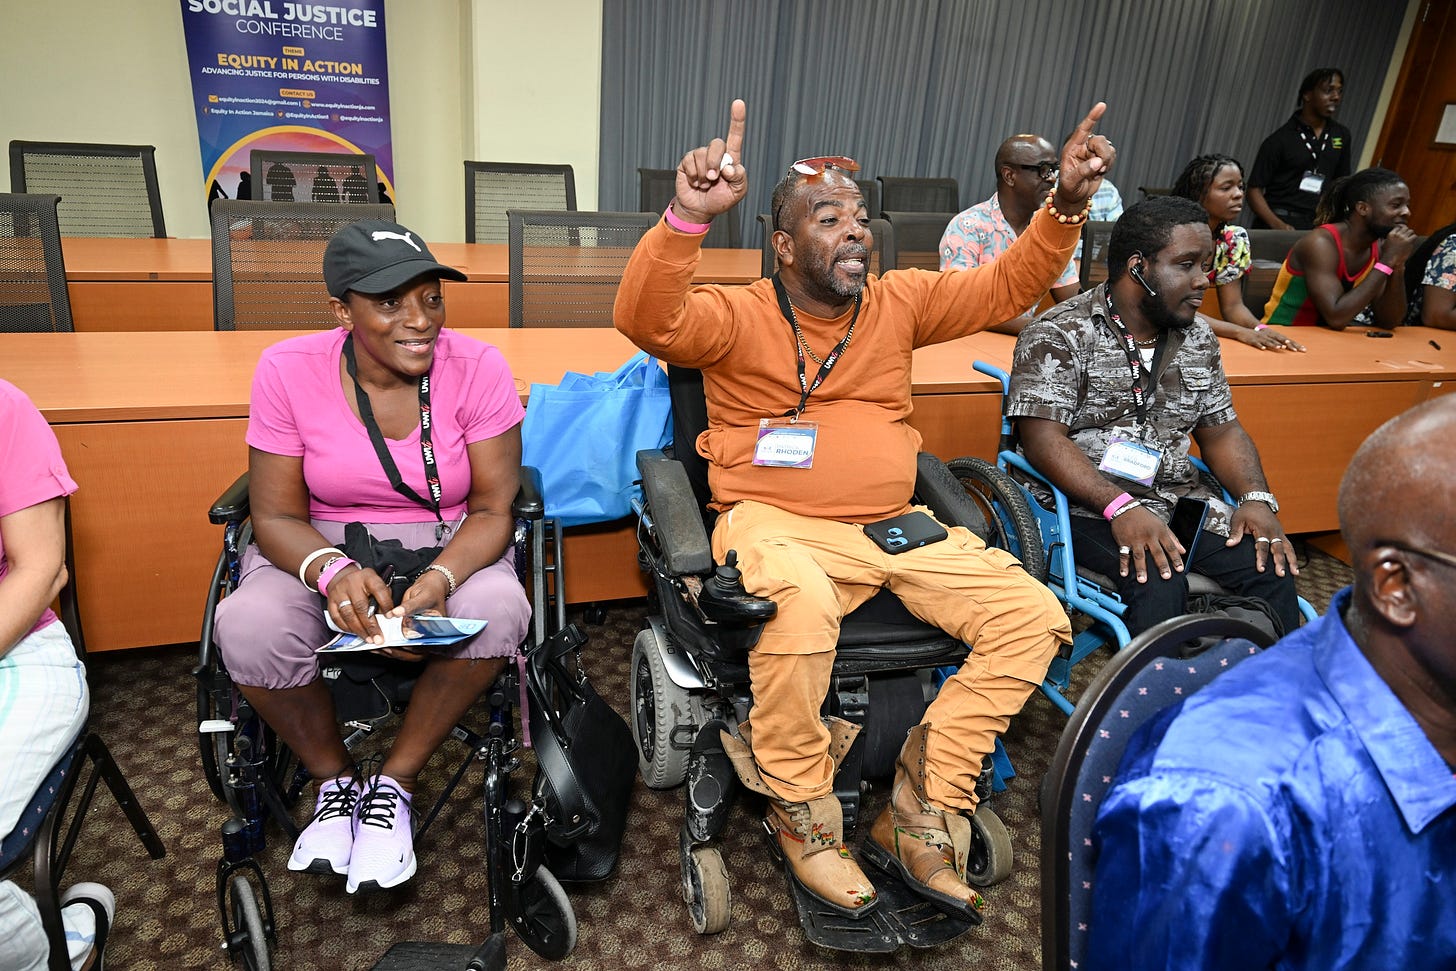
1137	274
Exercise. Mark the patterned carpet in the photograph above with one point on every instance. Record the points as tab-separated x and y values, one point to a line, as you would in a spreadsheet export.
167	912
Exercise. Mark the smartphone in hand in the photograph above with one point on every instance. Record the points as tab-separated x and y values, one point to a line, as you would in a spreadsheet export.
1189	516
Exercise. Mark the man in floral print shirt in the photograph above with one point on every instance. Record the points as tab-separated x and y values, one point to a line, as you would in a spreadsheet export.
1106	390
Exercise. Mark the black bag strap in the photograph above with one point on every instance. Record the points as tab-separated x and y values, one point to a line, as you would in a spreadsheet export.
552	687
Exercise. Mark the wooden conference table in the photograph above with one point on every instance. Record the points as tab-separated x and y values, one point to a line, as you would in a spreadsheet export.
152	427
166	284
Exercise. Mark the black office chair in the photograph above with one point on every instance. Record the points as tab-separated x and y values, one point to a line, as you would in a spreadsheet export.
1148	191
105	190
42	834
1095	235
883	232
870	189
565	267
1133	686
33	294
916	239
493	187
268	258
323	177
656	188
906	194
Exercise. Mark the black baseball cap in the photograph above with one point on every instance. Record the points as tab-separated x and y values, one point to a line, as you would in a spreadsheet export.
374	256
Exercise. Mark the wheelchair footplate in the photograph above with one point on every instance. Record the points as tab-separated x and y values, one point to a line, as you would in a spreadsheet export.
902	917
425	956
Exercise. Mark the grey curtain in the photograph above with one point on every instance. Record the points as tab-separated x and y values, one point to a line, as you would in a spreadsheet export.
931	87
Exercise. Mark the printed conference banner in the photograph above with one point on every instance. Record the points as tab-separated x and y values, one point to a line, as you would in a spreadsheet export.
296	77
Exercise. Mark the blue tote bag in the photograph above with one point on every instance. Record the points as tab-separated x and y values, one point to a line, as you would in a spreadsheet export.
584	435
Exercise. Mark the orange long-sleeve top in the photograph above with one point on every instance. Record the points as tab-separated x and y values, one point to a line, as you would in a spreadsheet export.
864	457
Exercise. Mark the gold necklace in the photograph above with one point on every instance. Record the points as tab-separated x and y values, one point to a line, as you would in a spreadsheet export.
794	322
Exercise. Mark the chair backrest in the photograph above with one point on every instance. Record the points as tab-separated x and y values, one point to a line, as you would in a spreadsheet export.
565	267
1149	191
1272	245
656	188
916	239
870	189
493	187
880	252
1095	235
105	190
323	177
1160	667
905	194
268	262
33	294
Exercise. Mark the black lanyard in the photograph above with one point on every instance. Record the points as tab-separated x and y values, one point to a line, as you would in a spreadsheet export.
1141	392
1315	151
827	365
376	438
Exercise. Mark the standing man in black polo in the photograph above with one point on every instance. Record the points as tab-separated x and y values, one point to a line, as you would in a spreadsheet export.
1302	157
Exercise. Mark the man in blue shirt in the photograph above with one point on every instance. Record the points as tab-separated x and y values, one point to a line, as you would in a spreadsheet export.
1298	811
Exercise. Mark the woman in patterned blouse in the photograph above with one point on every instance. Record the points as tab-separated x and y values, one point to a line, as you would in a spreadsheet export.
1216	182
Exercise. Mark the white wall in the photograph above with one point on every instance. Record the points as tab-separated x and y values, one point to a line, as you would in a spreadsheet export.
93	71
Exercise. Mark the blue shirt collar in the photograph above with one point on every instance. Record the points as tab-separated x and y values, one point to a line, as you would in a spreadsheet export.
1419	780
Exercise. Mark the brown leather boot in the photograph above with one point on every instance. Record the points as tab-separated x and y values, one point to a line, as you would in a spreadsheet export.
809	836
928	847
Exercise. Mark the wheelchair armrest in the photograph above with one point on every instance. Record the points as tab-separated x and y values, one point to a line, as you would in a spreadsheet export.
528	503
232	505
676	515
937	488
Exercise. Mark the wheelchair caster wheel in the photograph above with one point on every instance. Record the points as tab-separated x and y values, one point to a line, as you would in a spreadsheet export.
991	855
543	917
247	942
705	889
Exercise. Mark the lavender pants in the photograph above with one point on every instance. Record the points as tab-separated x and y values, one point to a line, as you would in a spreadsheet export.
270	626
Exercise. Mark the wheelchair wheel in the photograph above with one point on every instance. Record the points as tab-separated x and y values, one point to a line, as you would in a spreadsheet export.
991	855
705	889
248	944
658	706
546	922
213	746
1004	505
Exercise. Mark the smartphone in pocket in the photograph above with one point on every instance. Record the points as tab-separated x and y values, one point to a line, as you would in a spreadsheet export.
1189	516
900	534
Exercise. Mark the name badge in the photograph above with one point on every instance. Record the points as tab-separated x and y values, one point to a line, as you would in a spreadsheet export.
1312	182
1131	460
784	444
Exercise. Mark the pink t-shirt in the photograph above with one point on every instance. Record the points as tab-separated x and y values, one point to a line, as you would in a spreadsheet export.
299	408
33	470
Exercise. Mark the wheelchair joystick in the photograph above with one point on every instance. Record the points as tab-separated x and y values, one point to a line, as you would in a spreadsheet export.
724	600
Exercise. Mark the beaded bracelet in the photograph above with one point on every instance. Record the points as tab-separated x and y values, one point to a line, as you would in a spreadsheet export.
445	572
1065	219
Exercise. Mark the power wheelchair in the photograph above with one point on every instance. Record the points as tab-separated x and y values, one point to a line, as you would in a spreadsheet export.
689	681
260	780
1083	591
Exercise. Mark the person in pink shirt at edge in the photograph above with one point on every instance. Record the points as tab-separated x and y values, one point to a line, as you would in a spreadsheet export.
317	402
43	695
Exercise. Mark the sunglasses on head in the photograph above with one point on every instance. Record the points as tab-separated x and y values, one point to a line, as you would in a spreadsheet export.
1045	170
813	167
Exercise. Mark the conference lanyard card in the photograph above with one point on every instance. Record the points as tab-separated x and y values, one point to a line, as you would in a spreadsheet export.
1130	460
786	444
1312	182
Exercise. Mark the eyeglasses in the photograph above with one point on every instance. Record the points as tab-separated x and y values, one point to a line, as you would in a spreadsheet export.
814	167
1445	559
1046	170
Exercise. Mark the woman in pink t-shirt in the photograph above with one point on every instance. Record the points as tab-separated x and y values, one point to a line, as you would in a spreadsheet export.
414	431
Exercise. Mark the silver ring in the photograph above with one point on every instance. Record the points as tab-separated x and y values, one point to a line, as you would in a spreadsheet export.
1261	539
1277	539
1124	550
345	603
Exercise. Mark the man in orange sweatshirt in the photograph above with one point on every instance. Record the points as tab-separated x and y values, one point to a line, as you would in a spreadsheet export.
807	378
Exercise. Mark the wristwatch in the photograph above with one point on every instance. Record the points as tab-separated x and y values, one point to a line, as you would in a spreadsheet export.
1265	497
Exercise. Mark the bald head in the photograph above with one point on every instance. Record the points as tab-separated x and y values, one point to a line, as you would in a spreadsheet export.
1397	487
1022	150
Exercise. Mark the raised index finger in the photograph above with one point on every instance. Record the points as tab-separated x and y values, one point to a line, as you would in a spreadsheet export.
1089	124
737	121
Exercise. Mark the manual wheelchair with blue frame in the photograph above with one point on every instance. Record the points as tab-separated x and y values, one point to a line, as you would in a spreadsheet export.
689	682
1080	589
260	780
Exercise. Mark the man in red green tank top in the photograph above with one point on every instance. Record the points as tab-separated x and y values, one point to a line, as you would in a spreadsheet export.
1350	270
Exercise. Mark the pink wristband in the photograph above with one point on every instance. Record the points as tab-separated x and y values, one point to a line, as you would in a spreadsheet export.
331	570
1261	326
1115	505
1384	269
682	226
